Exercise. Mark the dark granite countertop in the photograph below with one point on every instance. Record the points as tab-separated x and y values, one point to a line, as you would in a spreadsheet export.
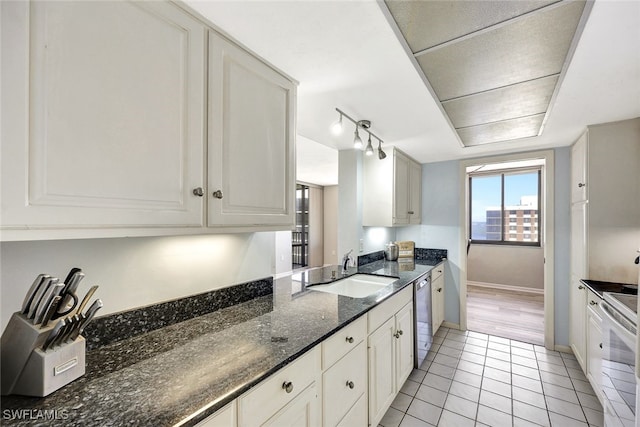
599	287
161	377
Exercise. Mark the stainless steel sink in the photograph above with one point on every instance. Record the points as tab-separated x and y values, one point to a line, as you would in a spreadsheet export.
356	286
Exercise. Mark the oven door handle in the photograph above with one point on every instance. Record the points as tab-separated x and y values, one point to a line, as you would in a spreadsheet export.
622	325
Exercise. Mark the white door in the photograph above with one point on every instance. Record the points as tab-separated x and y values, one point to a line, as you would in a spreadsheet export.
404	344
400	189
381	370
251	140
107	116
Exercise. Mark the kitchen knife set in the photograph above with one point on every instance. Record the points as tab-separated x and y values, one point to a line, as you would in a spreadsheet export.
42	348
47	299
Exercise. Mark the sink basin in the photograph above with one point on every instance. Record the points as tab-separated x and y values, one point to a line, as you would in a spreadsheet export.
356	286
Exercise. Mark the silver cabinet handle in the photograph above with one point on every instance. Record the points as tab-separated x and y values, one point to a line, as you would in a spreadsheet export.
600	345
349	340
592	302
350	384
287	386
198	192
410	212
217	194
581	287
439	289
397	334
581	184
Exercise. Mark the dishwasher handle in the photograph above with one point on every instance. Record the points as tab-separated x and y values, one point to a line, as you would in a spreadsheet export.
423	283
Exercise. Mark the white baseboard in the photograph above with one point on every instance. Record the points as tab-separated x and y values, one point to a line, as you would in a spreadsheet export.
563	348
451	325
506	287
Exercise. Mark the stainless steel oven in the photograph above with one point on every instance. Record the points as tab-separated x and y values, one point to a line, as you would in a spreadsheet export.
619	329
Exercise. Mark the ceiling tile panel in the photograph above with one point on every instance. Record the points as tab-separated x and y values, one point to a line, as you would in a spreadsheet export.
524	49
425	24
501	131
519	100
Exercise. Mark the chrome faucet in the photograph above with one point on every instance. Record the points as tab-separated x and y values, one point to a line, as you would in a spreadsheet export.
345	261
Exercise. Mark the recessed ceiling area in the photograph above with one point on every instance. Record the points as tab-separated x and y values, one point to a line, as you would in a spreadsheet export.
494	66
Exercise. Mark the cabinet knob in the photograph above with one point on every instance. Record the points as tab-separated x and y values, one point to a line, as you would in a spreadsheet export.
287	386
350	340
581	184
350	384
198	192
439	289
410	212
397	334
217	194
600	345
581	287
592	302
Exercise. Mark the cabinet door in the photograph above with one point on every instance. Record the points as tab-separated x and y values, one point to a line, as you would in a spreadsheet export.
382	387
579	169
401	189
357	416
415	193
343	384
437	302
106	126
300	412
404	344
594	349
579	239
225	417
578	320
251	140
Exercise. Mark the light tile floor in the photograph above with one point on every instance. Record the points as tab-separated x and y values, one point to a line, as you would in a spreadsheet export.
473	379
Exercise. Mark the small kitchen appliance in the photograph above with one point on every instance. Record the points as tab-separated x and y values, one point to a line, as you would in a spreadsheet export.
391	252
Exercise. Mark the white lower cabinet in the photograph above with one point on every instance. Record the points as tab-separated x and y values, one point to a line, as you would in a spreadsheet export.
349	380
288	396
390	352
594	343
225	417
577	321
437	297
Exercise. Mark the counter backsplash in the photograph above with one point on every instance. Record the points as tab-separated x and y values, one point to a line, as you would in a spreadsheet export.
127	324
433	255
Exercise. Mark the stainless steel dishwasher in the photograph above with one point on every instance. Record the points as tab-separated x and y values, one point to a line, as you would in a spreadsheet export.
423	331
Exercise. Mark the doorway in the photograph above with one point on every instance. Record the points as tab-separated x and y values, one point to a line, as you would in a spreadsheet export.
507	288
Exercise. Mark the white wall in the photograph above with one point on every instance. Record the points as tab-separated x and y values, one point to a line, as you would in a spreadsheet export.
349	202
282	256
331	224
520	266
439	228
134	272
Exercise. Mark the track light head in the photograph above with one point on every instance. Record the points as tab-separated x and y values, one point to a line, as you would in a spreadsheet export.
369	150
336	128
381	154
357	141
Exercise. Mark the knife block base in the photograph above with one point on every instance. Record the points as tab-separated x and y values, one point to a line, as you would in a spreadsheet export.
47	371
26	369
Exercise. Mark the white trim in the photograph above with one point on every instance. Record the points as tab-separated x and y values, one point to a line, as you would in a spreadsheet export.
547	238
524	289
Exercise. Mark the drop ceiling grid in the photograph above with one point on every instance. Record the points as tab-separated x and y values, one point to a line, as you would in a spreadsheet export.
501	78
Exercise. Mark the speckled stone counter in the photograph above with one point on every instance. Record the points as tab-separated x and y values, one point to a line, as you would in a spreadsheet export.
599	287
161	377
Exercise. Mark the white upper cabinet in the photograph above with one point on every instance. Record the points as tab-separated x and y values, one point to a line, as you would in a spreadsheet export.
105	128
251	139
109	129
579	170
392	190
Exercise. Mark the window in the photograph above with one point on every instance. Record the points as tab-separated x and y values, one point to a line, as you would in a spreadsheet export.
499	200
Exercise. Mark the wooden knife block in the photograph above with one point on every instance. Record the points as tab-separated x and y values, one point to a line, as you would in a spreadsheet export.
29	371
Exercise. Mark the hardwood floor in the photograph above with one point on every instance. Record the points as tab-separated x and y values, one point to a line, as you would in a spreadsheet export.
506	313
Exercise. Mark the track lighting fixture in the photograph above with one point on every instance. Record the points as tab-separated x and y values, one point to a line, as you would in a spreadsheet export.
337	127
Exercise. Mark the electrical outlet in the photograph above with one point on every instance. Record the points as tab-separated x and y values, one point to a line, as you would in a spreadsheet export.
361	245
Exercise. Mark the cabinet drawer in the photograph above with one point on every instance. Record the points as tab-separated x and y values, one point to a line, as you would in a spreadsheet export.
259	404
593	301
343	341
387	309
437	271
339	397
